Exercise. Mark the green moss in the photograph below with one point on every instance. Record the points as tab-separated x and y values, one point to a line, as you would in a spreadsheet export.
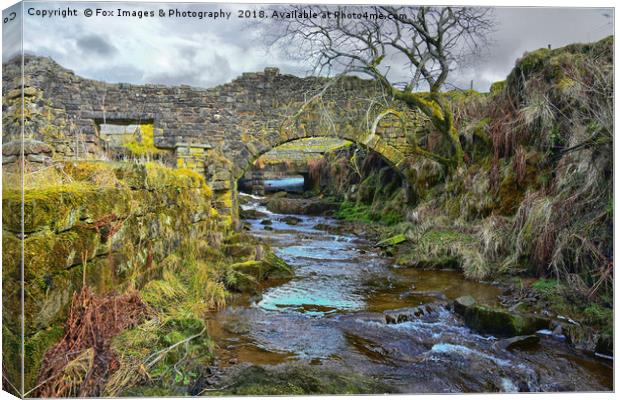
241	282
159	176
533	61
252	268
11	358
546	287
270	267
258	381
511	193
275	267
461	96
123	219
497	87
353	212
57	207
438	238
392	241
35	347
597	315
499	322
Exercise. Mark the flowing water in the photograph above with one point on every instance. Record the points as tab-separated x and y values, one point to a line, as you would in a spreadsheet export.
290	184
350	310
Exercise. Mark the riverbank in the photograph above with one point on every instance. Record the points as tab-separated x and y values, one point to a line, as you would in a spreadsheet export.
371	326
585	326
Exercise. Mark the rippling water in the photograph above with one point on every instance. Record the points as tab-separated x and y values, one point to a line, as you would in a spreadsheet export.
333	313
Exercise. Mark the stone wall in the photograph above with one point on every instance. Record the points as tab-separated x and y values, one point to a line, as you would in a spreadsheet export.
109	225
223	130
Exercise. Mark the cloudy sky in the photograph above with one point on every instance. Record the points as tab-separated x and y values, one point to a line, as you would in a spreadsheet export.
209	52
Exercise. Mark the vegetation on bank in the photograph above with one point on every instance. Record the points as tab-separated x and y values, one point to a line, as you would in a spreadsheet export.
259	381
531	204
147	258
171	349
533	197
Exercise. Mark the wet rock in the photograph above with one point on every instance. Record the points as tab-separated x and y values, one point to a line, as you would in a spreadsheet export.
322	227
551	334
495	321
291	220
266	222
301	206
605	345
413	313
588	339
268	228
517	342
279	195
462	303
251	214
243	199
239	250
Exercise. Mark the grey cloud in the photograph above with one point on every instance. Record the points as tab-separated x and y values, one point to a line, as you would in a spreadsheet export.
207	53
119	73
216	72
188	52
11	32
96	45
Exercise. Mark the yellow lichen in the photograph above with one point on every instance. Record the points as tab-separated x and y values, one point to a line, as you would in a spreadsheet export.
144	147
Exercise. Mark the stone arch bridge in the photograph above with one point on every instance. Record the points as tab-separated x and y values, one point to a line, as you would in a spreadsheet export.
219	131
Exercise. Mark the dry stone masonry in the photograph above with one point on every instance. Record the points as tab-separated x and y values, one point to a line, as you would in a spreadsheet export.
219	132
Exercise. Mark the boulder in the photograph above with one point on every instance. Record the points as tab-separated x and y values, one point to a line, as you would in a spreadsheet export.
494	321
290	220
462	303
517	342
271	266
424	311
301	206
605	345
239	250
279	195
588	339
251	214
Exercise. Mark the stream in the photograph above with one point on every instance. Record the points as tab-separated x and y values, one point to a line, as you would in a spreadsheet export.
349	310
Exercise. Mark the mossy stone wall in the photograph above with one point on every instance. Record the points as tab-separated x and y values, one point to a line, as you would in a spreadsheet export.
237	122
109	237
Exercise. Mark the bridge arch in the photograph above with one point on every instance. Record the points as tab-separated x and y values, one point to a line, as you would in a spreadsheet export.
382	134
217	131
394	157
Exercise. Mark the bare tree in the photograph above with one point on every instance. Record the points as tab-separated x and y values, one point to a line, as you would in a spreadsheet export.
425	44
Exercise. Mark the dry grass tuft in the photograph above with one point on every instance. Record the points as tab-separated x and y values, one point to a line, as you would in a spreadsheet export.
79	364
